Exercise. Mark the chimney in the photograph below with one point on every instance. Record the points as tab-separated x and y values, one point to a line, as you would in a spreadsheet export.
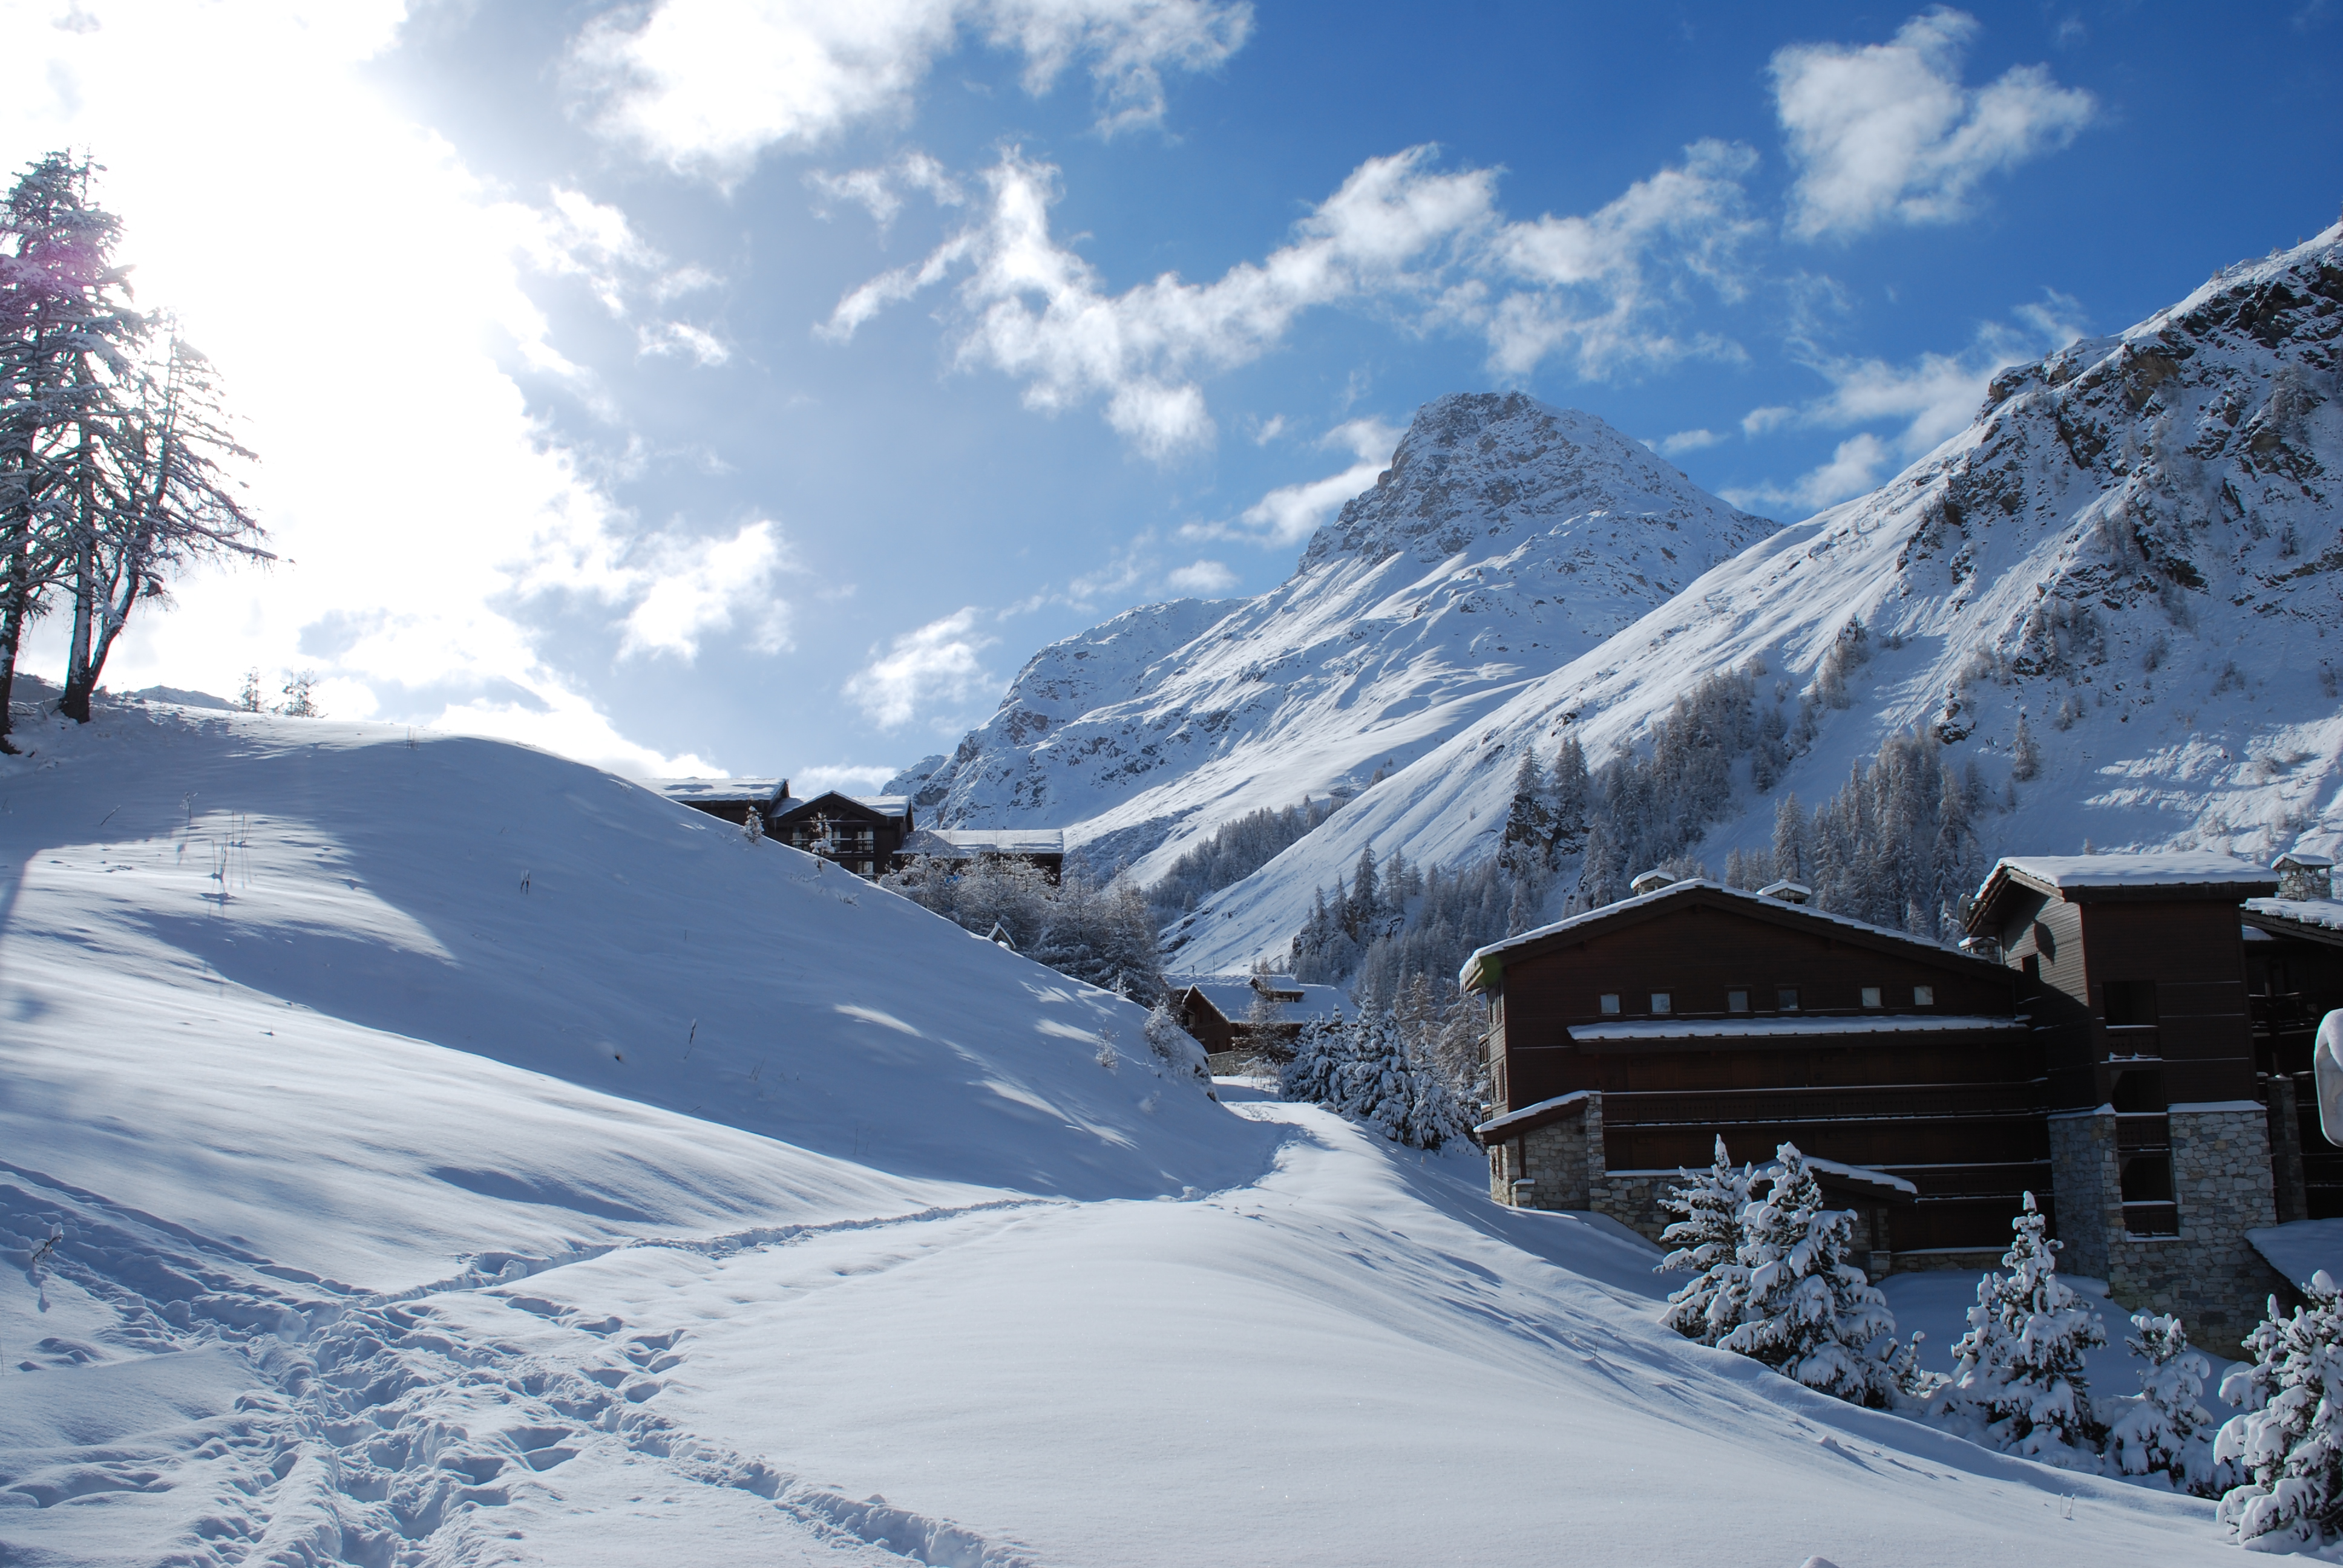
1788	892
1651	882
2303	875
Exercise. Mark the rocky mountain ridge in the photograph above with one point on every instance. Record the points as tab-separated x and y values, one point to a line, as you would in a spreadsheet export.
1507	538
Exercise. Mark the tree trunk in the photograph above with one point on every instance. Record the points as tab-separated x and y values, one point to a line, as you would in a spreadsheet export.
12	627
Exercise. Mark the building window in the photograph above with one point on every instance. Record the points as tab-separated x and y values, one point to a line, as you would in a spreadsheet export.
1737	1002
1870	996
1661	1002
1924	996
1786	1000
2130	1002
1610	1002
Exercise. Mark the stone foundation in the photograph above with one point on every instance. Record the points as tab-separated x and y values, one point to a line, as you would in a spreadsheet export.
1562	1160
2210	1274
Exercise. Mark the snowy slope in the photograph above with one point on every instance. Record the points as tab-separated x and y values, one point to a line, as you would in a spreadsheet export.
1506	538
2136	543
406	1220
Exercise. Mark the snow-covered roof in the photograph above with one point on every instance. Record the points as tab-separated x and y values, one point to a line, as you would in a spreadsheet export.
1528	1112
1783	1028
1235	998
716	792
1000	840
1467	976
2301	1248
2304	860
2171	869
2323	916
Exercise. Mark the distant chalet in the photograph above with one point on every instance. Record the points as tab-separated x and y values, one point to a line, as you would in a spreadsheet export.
2110	1039
859	832
869	835
1043	848
1222	1011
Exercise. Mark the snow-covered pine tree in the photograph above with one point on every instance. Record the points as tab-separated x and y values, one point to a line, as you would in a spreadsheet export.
752	823
1798	1305
2289	1440
2164	1429
300	702
1320	1053
2018	1371
1375	1084
1708	1243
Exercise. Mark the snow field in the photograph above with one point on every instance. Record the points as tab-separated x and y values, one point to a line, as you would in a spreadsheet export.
407	1219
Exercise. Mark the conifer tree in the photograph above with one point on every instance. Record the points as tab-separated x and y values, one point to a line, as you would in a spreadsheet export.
1707	1242
1320	1054
2018	1369
1797	1305
2289	1440
2165	1429
2024	756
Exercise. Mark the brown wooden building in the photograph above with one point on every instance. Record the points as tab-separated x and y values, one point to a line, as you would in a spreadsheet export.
1219	1010
2096	1045
2294	977
859	832
1625	1041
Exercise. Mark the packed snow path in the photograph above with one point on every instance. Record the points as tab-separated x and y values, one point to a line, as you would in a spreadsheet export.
460	1253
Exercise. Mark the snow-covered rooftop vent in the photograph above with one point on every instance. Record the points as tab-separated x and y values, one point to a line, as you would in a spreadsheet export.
1788	892
2303	875
1651	882
1981	948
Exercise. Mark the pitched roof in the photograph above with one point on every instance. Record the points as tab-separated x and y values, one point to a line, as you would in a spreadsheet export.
997	840
2075	878
1485	963
718	791
1232	999
880	805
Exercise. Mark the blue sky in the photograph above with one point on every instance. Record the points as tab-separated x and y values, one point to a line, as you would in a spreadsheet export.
708	384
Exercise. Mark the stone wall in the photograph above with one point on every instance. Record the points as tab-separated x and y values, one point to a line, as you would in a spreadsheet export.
2210	1274
1562	1160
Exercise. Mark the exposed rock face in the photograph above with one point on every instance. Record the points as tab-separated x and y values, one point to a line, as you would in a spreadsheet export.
1507	538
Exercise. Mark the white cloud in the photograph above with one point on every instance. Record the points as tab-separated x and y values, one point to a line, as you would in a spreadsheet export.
1930	398
847	778
706	86
682	338
697	587
1205	578
406	584
1885	132
935	667
1853	468
1292	513
1398	233
1686	441
880	191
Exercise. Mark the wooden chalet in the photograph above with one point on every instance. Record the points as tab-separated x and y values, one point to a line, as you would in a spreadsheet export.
2093	1043
1219	1010
1623	1042
729	798
2294	978
859	832
1042	848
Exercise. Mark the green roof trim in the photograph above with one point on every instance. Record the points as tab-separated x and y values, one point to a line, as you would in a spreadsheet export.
1482	971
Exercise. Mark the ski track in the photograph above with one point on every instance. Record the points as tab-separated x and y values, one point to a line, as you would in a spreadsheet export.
381	1429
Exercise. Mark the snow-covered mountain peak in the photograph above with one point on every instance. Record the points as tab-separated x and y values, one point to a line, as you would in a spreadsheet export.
1507	537
1487	463
2136	546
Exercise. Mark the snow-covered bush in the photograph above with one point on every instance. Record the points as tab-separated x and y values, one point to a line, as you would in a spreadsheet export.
1101	933
2164	1429
1707	1243
1796	1302
2018	1371
2289	1440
